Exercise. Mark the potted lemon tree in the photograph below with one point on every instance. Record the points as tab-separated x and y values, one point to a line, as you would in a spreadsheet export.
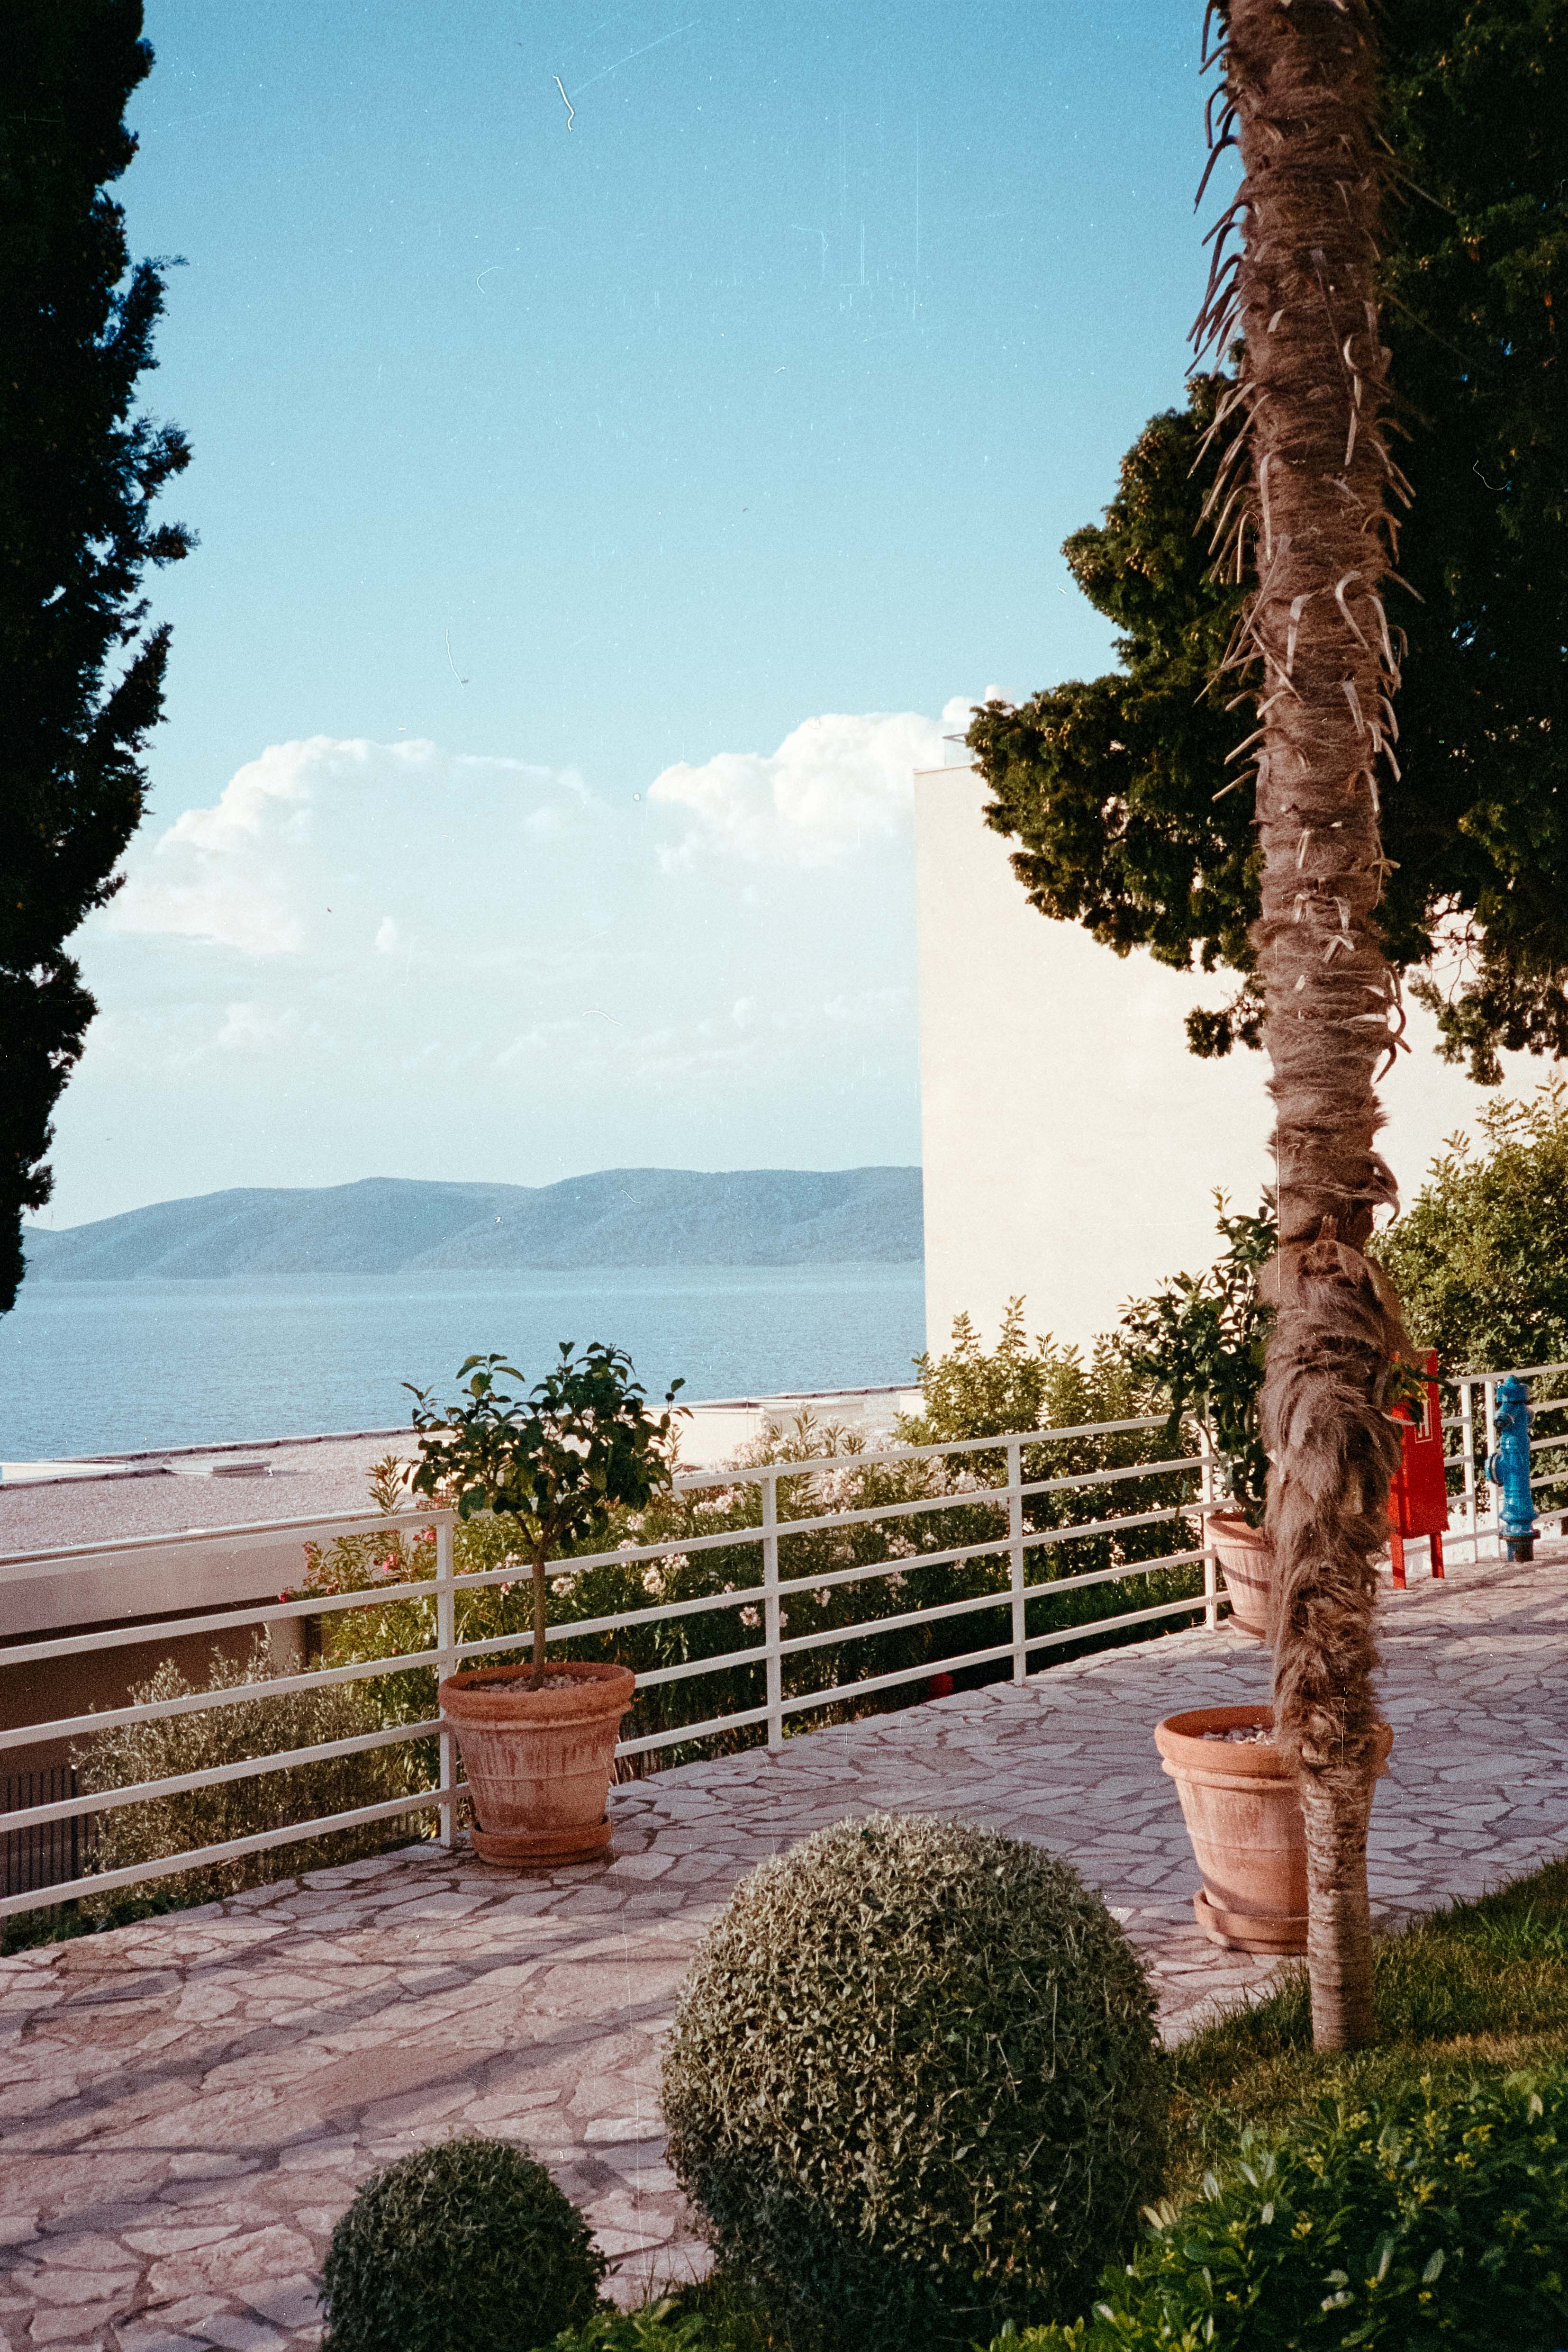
1201	1343
538	1742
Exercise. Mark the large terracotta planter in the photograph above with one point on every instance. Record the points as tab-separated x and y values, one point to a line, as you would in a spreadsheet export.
1245	1823
1246	1563
538	1763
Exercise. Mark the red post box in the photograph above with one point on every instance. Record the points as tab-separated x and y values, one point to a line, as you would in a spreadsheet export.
1418	1498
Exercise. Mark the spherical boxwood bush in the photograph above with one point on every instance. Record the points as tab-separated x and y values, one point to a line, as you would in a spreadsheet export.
466	2247
913	2085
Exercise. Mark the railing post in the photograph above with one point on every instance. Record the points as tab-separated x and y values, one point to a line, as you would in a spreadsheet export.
1211	1562
1016	1557
1489	1399
770	1629
447	1643
1467	1453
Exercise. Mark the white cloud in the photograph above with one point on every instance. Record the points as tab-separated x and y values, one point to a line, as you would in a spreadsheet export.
835	783
307	844
252	1029
366	958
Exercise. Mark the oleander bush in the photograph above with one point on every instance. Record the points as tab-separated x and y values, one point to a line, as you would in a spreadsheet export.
467	2246
266	1725
1421	2218
912	2084
970	1392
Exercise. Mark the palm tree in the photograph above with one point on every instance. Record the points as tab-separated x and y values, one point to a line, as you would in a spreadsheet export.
1310	500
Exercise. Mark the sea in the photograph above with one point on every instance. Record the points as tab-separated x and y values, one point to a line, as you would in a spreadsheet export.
123	1367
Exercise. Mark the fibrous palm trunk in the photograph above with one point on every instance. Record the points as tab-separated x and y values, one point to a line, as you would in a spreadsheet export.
1312	510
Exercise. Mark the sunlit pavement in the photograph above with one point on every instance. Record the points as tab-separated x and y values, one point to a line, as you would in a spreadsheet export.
188	2105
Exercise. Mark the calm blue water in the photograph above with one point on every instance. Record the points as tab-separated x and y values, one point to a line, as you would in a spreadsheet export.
111	1367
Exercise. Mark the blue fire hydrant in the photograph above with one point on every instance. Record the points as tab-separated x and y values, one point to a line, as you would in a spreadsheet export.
1509	1469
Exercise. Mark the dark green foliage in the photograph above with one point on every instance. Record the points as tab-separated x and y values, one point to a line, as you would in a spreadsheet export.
465	2247
78	475
913	2084
1109	786
555	1464
1480	1256
1201	1344
1419	2218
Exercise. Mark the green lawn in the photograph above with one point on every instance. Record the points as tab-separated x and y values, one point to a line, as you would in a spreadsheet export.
1474	1991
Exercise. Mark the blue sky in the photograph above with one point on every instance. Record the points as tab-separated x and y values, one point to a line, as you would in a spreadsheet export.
551	474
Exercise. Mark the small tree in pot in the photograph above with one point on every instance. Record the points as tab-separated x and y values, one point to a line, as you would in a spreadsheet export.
1201	1342
538	1747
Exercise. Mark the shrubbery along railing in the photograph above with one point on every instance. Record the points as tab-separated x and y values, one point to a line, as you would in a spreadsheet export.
761	1548
1025	1526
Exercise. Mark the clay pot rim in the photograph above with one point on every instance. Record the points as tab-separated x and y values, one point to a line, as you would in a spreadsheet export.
601	1688
1232	1528
1189	1756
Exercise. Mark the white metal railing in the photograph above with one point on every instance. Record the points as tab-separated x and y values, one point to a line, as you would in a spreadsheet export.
1014	1540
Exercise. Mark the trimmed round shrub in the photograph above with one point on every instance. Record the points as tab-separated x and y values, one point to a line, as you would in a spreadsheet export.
1422	2218
465	2247
913	2085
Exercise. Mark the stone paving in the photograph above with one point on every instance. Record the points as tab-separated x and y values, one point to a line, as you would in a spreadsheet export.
187	2106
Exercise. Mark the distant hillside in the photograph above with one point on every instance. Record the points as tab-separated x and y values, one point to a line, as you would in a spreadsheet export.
621	1217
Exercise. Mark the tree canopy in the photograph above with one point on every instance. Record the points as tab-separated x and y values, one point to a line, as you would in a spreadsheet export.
1116	788
82	681
1477	1257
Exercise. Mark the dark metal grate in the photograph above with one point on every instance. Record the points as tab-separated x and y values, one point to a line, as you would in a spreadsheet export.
50	1852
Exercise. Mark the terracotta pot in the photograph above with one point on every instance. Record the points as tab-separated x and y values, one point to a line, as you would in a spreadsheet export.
1246	1563
1245	1823
538	1763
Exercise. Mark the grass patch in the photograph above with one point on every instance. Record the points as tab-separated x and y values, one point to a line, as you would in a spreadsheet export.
1469	1994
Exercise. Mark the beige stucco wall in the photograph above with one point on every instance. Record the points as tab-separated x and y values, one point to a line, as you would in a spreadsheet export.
1072	1144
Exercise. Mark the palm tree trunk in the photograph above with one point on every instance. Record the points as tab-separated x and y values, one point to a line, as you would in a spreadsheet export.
1301	91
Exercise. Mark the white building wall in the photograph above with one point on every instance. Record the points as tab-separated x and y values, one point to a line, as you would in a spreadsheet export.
1071	1143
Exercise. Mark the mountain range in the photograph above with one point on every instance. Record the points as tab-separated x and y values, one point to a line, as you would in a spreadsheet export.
619	1217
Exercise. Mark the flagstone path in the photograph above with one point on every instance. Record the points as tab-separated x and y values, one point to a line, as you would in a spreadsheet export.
187	2106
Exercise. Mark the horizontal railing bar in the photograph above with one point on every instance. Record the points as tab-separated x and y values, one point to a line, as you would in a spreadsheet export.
254	1536
71	1727
984	1657
1108	1527
569	1629
146	1793
1113	1575
692	1481
269	1612
1000	1598
685	1731
808	1700
1055	1641
170	1865
869	1629
833	1636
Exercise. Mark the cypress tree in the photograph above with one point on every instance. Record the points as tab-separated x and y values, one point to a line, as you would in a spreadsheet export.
81	676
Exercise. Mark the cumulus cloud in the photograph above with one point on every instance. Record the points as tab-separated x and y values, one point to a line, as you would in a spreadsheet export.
835	783
341	846
362	958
